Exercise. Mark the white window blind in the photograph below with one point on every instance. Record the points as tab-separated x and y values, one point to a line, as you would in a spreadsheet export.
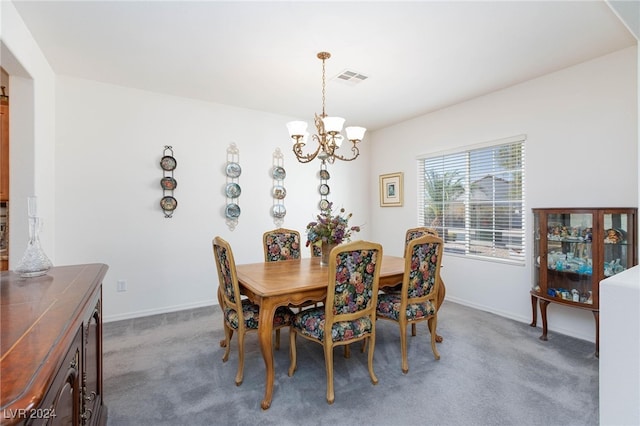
475	199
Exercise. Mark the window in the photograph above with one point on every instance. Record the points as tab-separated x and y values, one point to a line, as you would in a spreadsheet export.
475	199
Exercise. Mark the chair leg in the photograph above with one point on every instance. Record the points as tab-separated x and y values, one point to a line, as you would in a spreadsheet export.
372	342
240	374
403	346
413	329
433	322
278	339
328	361
347	351
292	352
226	343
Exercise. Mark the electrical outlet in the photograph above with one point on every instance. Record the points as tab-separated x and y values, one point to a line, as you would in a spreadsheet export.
121	285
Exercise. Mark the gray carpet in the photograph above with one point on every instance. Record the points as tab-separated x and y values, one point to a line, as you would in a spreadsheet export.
168	370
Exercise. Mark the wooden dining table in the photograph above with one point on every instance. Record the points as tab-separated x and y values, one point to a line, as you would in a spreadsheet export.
292	283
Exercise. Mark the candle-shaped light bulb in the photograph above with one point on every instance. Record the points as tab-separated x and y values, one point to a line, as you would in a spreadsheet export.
32	206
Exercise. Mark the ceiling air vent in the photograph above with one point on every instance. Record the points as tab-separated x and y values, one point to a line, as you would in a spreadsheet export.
350	77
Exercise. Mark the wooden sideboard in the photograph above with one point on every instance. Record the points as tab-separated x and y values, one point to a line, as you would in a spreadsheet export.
51	347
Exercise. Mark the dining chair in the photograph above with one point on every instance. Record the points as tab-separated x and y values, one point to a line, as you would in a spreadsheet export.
281	244
411	234
418	296
316	250
239	314
349	311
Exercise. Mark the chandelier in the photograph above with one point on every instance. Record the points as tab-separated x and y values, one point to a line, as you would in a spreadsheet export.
328	137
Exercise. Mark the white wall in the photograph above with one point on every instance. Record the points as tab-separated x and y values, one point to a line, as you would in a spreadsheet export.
581	151
109	143
32	131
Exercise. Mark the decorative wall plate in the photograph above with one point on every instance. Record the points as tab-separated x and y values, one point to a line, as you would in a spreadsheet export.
233	190
168	203
168	163
278	211
279	192
232	211
168	183
324	174
233	170
324	189
324	204
279	173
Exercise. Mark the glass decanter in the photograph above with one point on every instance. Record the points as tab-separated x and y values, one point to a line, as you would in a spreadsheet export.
34	262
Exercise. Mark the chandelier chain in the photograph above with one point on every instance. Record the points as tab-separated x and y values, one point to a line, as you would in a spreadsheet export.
323	88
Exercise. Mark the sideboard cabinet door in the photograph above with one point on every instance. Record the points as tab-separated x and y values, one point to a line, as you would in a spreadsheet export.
92	367
61	405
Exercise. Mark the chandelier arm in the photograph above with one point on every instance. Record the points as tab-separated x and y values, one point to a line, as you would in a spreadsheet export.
305	158
340	157
329	144
354	149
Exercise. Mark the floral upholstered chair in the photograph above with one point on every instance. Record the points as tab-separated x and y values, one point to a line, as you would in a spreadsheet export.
412	234
418	296
316	250
239	314
281	244
349	312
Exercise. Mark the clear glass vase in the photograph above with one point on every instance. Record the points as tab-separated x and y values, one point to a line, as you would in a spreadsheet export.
34	262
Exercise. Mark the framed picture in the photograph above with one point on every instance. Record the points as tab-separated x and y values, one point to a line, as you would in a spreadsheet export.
391	191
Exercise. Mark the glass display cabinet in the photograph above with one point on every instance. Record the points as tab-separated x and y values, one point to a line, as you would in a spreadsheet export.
573	250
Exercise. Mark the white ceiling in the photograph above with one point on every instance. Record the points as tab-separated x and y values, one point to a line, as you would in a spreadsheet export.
420	56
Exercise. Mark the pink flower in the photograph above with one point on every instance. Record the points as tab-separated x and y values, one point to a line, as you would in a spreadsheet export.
342	275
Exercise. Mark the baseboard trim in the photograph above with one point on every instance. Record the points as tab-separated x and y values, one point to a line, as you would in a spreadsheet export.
522	319
163	310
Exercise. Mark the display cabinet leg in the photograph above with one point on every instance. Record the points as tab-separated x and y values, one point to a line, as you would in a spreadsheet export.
543	313
596	316
534	312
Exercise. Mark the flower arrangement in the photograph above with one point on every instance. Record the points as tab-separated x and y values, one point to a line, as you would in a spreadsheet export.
330	229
